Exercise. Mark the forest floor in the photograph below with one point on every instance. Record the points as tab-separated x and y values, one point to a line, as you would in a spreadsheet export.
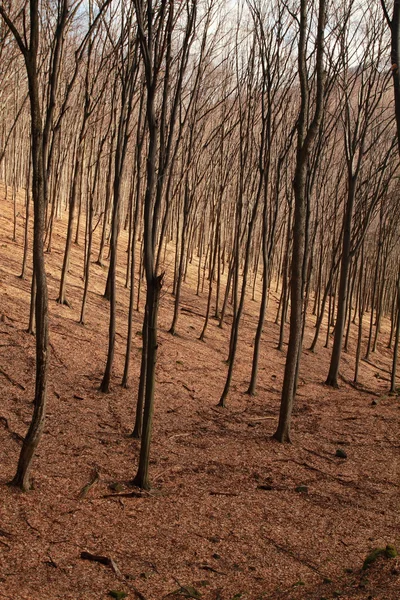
224	519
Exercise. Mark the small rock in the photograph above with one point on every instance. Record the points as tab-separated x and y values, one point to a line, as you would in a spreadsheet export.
301	489
340	453
375	402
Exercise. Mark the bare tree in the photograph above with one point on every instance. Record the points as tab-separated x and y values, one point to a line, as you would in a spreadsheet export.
306	133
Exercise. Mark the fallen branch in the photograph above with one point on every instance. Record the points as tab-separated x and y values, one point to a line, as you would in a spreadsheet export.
293	555
16	436
319	455
103	560
110	562
138	594
11	380
191	311
31	526
179	435
216	493
86	488
134	494
187	591
208	568
5	534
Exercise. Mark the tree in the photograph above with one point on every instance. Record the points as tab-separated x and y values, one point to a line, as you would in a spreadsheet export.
29	49
306	133
156	23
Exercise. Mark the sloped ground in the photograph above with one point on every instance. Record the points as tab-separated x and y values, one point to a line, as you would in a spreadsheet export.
224	519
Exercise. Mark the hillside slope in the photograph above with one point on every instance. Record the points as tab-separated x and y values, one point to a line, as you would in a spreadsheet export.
224	519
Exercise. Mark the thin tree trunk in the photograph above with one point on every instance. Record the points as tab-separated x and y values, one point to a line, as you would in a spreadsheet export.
27	220
33	436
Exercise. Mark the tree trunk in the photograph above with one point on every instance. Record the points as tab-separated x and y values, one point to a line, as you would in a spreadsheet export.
306	135
332	378
32	438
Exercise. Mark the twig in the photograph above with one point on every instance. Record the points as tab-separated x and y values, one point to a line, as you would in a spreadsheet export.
110	562
216	493
11	346
186	591
293	555
179	435
104	560
189	389
208	568
56	355
30	525
191	311
318	454
16	436
136	591
134	494
11	380
51	562
5	534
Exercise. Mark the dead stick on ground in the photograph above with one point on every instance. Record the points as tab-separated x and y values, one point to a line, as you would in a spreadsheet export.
11	380
17	437
104	560
191	311
186	591
134	494
5	534
328	458
179	435
211	569
293	555
110	562
86	488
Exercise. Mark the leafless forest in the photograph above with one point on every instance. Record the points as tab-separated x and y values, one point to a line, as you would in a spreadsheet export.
220	179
